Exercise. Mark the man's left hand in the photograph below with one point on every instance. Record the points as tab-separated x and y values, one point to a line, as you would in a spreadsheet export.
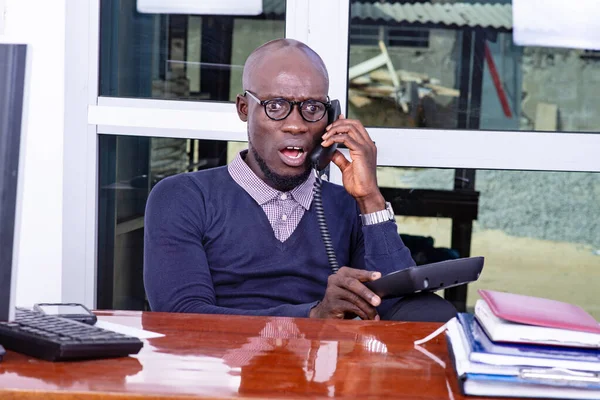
360	175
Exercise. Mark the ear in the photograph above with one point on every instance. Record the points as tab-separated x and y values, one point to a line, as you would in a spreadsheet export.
241	106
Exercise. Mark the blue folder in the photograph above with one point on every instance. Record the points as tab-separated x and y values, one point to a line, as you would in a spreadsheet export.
483	349
516	386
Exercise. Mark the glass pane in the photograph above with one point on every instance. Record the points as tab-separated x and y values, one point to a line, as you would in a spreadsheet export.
413	185
415	178
540	235
187	57
130	166
538	231
447	75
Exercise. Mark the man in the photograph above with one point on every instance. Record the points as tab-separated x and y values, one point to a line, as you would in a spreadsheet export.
244	239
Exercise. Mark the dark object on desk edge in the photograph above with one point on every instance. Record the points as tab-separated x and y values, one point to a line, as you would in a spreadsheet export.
59	339
73	311
428	278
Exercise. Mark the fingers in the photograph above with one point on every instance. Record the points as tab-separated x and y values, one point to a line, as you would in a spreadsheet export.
347	127
340	160
353	309
352	298
350	303
346	294
344	125
349	137
351	280
360	274
344	138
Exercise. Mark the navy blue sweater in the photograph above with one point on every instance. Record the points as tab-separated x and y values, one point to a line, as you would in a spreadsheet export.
209	248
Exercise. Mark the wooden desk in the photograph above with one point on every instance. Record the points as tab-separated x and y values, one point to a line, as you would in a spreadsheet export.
247	357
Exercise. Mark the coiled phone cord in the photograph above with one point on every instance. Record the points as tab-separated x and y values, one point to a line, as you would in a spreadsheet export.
323	224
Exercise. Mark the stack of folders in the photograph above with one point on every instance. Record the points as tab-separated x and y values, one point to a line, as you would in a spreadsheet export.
522	346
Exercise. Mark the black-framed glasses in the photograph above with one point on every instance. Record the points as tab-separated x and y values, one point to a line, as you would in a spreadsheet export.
278	109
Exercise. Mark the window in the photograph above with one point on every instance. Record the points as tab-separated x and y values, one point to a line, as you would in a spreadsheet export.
160	57
442	107
538	231
181	57
472	75
130	167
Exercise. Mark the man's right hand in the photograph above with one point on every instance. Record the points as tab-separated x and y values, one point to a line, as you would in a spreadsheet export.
346	295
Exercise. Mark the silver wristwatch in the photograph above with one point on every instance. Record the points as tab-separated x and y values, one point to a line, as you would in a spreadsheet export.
378	217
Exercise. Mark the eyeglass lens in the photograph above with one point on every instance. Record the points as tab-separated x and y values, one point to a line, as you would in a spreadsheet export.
311	110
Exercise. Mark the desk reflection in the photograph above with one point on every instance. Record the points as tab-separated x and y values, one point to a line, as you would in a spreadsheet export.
301	357
80	375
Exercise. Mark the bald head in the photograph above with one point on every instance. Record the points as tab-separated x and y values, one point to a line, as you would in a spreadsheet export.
279	54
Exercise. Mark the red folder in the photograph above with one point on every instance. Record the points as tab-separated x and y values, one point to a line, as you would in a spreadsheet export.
539	311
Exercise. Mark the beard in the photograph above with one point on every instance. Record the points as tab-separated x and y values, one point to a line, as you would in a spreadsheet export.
283	183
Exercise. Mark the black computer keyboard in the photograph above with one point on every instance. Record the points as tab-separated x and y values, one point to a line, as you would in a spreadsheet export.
59	339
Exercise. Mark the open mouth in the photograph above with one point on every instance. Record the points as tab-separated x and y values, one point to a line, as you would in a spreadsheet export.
293	156
293	152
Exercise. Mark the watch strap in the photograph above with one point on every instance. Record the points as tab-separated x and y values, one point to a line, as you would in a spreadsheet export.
378	217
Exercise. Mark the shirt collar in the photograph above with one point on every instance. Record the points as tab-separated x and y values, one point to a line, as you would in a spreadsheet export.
260	191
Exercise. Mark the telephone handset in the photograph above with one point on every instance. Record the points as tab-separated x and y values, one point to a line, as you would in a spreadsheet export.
319	159
321	156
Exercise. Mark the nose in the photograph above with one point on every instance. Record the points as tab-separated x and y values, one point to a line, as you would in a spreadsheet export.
294	123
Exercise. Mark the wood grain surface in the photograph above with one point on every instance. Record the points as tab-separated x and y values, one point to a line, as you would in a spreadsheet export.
215	356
